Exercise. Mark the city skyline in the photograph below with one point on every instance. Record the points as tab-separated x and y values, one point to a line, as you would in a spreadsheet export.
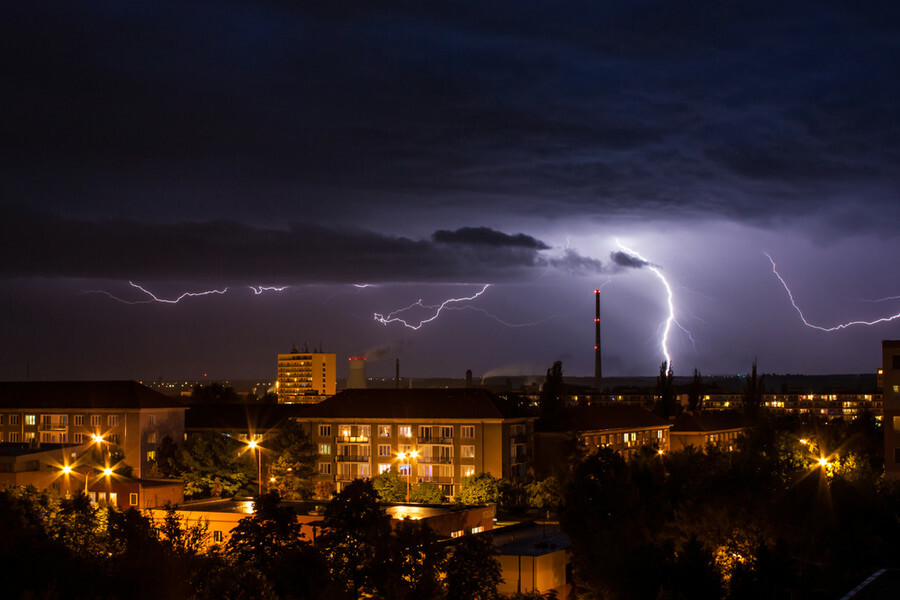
320	173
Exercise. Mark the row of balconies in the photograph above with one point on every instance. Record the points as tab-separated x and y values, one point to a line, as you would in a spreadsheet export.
425	460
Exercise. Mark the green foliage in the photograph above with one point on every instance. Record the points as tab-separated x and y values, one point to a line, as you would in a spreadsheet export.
427	493
480	488
181	538
356	540
544	495
167	463
266	536
294	467
416	563
473	571
215	465
390	486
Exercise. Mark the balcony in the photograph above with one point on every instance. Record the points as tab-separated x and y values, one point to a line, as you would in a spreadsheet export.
357	458
434	479
435	460
519	438
352	439
53	427
431	439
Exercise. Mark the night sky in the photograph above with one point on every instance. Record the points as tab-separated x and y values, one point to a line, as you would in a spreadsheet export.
369	155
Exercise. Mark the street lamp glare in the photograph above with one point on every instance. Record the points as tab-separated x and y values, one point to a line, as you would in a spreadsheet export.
252	444
823	462
66	469
107	471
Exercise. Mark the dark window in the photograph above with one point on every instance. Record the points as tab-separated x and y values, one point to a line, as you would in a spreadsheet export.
897	456
895	362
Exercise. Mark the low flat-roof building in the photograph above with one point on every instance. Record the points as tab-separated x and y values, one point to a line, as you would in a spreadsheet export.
534	557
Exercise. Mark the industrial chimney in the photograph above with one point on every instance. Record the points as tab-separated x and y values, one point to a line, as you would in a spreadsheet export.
598	364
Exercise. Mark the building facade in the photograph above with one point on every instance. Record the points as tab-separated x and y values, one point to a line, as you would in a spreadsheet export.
438	436
122	414
890	351
306	377
704	428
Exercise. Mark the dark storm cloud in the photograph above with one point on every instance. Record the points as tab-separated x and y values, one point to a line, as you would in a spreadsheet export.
485	236
749	110
623	259
37	244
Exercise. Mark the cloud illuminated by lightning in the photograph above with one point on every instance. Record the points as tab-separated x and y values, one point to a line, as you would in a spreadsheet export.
437	308
666	326
819	327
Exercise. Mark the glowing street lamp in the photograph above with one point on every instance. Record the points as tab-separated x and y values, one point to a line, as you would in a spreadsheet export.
407	456
255	447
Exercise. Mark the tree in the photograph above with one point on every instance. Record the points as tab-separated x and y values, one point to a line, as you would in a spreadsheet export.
215	464
427	493
665	391
753	397
473	571
390	486
356	539
214	393
695	392
294	467
544	495
417	563
166	464
553	398
181	538
267	536
480	488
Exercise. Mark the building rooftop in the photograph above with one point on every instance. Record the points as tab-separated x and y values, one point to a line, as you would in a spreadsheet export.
82	394
457	403
530	539
602	417
713	420
241	417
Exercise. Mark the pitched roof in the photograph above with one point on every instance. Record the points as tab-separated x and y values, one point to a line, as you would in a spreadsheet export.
458	403
240	417
713	420
82	394
600	417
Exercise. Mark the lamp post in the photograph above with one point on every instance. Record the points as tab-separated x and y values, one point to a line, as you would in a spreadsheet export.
254	445
407	456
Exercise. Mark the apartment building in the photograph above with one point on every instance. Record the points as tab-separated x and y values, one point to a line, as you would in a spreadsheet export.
890	350
125	414
624	428
306	377
700	429
431	435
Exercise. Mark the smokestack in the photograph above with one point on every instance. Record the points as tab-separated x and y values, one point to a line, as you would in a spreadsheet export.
397	376
598	364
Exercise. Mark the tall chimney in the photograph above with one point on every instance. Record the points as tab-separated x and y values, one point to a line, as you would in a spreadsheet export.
397	376
598	364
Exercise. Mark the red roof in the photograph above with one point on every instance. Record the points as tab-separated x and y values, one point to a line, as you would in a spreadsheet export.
456	403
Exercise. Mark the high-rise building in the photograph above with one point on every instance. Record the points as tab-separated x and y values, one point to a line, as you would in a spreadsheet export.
306	377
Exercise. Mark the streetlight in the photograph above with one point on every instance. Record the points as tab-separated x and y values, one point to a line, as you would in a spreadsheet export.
254	446
412	454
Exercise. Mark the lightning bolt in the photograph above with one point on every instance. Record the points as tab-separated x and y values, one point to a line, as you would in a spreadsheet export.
260	289
438	308
819	327
666	325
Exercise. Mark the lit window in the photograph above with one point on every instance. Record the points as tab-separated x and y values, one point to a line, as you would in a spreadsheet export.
384	431
383	467
151	437
467	451
365	431
151	455
467	470
324	449
384	450
467	431
405	431
344	430
365	470
29	419
113	499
